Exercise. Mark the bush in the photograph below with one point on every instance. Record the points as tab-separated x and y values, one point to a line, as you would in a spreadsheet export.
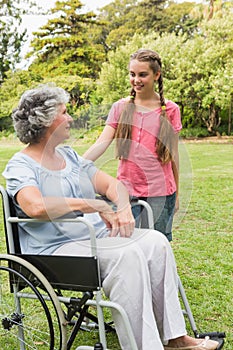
194	132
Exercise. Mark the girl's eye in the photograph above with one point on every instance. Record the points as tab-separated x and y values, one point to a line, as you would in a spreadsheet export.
141	75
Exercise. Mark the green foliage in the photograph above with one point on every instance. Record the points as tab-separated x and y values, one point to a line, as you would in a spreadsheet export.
63	46
204	74
125	18
194	132
11	39
166	17
178	19
10	92
118	20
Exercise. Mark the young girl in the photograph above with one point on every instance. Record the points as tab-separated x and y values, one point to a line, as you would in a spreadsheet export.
145	127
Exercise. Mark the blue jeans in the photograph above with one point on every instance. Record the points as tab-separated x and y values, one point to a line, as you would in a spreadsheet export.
163	212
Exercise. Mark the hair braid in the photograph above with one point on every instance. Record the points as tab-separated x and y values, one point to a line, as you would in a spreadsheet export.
160	84
124	129
166	133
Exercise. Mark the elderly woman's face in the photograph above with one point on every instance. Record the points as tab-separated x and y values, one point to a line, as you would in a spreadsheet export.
60	128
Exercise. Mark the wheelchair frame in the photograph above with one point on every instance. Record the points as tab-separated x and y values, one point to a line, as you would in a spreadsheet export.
46	278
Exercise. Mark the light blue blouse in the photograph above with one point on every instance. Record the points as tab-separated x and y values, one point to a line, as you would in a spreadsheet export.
72	181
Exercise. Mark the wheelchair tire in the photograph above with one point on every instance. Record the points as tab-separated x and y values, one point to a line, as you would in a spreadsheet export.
30	312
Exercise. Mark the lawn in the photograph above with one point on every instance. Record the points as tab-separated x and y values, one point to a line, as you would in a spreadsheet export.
202	232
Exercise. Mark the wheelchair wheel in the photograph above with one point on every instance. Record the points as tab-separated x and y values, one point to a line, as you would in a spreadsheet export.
30	313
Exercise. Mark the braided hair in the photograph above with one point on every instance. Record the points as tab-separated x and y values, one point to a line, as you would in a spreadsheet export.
124	129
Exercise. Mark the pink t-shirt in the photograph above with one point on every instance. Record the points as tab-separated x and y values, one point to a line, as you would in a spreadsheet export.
142	173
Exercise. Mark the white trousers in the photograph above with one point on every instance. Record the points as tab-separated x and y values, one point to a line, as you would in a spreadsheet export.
139	273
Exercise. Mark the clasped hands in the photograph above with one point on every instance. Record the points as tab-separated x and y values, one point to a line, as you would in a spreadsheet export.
120	222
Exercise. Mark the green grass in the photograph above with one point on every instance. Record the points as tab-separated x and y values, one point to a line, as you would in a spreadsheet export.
203	239
202	232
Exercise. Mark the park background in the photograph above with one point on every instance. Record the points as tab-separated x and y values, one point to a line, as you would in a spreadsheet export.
86	52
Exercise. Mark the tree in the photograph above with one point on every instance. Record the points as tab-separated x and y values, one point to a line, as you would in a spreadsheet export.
114	18
198	73
212	9
178	18
62	46
125	18
11	39
151	15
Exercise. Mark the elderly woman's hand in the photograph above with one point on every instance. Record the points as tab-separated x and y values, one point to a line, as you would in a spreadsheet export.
120	223
124	223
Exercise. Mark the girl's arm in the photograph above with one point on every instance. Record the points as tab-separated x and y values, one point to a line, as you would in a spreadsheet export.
101	144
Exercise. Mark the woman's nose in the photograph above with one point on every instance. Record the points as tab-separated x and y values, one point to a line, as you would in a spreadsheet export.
70	119
137	79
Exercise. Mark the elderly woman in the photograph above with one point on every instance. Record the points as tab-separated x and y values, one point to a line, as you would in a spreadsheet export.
137	267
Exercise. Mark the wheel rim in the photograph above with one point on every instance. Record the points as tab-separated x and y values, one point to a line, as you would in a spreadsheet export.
34	324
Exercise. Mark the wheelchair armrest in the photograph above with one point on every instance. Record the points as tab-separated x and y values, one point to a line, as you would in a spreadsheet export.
16	219
71	215
132	199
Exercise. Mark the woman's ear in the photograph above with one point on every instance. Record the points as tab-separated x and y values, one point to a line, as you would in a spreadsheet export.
157	75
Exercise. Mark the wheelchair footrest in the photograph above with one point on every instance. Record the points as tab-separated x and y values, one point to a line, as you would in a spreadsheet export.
217	336
211	335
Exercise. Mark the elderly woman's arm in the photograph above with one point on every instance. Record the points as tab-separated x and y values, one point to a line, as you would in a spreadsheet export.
35	205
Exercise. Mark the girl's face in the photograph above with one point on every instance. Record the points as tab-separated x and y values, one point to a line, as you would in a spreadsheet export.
142	77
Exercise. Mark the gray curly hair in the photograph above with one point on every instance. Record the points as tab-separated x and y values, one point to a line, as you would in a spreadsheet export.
36	111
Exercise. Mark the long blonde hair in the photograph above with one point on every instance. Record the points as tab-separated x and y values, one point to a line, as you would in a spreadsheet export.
123	133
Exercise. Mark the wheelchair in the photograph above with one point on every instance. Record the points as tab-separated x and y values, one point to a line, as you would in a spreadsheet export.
43	295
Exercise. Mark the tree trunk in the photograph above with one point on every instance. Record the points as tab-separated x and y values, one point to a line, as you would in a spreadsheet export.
213	121
211	11
230	115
